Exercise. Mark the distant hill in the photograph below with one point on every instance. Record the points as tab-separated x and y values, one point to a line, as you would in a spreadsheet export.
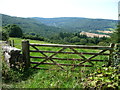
49	26
30	25
76	24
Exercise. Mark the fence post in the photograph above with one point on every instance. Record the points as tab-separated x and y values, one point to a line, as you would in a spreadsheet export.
111	54
26	53
13	44
9	43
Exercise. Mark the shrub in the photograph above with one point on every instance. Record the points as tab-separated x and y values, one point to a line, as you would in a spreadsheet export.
4	35
102	78
9	75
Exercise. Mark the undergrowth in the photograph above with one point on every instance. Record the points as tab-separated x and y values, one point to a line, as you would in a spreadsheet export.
103	78
14	75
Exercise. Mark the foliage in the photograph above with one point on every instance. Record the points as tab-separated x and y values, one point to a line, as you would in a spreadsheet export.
13	30
116	55
33	36
102	78
4	35
118	32
70	38
9	75
13	75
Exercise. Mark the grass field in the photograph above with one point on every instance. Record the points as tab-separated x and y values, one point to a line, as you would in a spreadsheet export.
53	78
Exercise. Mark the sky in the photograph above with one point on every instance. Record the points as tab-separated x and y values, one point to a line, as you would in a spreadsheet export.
105	9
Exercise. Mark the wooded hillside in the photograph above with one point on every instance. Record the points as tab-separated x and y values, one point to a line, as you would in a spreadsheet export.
50	26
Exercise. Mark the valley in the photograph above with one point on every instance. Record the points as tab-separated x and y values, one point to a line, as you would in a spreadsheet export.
49	26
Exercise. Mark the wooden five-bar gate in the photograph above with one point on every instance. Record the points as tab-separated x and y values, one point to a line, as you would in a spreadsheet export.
44	58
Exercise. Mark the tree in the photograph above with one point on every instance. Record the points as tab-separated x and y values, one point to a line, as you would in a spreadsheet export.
115	37
118	32
75	39
14	30
83	41
4	35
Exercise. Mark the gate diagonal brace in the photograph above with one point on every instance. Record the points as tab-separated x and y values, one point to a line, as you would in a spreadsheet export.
56	64
92	57
40	63
55	54
81	55
40	51
42	54
49	58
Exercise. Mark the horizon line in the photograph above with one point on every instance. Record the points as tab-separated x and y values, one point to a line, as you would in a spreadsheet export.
56	17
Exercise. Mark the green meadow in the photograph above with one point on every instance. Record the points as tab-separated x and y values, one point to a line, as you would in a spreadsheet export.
53	78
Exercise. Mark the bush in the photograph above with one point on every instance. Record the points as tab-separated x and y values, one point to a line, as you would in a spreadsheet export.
33	37
4	35
102	78
13	75
10	75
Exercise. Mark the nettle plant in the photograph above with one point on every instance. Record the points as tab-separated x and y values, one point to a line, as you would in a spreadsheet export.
106	77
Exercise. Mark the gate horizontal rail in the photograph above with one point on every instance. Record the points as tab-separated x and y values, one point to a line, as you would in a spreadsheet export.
68	59
73	46
70	52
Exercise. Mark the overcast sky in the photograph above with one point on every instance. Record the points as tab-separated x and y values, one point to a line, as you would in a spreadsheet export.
106	9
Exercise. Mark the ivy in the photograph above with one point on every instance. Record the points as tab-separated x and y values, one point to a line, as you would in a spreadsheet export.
105	77
116	55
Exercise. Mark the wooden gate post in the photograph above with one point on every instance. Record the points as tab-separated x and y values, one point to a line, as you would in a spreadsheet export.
26	53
